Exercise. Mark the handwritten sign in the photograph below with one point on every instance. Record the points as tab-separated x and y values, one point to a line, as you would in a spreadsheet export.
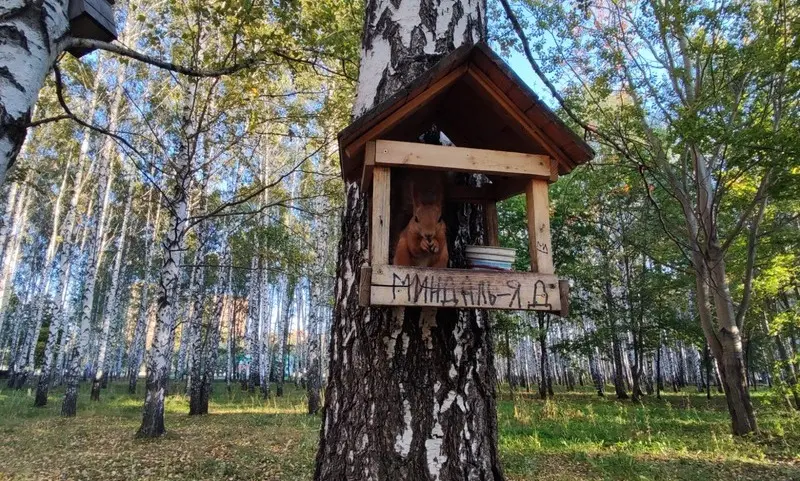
459	288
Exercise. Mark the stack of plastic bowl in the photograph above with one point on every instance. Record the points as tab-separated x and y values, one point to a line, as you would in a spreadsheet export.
492	258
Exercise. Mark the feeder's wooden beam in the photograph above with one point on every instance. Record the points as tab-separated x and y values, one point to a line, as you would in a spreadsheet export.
460	159
563	289
491	224
462	288
381	195
369	165
538	210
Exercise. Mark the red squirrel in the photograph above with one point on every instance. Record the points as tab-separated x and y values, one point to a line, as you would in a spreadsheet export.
423	242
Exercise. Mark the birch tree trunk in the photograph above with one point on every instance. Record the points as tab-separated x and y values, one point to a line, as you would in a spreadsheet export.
173	247
43	294
283	336
6	221
230	365
409	397
30	33
251	331
314	369
211	352
265	325
80	343
187	312
12	248
136	350
112	299
9	271
195	326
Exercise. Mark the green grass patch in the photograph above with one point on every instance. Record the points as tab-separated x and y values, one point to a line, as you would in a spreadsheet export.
577	436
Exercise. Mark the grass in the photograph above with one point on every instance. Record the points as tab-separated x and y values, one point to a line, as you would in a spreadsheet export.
578	436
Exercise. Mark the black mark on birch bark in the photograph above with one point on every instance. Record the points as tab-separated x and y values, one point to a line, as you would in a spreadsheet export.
427	15
11	34
447	43
6	74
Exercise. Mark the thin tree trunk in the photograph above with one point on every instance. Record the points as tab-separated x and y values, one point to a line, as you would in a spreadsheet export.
80	343
112	299
314	369
597	373
12	251
251	332
545	381
265	324
231	342
284	334
137	346
211	352
23	370
195	325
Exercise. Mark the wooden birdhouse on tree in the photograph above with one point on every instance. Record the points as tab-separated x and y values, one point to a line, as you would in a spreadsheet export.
501	129
92	19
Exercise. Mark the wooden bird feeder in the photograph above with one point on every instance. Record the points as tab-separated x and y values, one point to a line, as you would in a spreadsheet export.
501	129
92	19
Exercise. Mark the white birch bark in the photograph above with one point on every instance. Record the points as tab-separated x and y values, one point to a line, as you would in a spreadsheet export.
137	346
251	330
8	212
283	332
11	253
112	297
187	312
79	343
265	326
429	419
230	365
194	328
173	247
314	373
29	36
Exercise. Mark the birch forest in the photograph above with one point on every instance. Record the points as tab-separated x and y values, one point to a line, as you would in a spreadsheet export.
181	256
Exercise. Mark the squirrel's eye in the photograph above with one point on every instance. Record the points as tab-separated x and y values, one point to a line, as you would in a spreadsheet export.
416	219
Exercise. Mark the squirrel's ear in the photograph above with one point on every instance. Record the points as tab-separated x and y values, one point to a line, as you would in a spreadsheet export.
441	219
416	219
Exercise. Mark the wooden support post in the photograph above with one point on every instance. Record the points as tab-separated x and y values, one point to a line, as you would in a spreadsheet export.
381	195
490	220
539	226
563	289
369	164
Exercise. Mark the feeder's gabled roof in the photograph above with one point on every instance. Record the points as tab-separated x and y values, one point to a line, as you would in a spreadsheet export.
475	98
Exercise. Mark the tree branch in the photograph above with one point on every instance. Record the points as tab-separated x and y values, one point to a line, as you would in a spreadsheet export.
69	114
192	221
47	120
85	43
752	243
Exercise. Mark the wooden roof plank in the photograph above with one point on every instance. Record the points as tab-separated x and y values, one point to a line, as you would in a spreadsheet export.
375	131
506	113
